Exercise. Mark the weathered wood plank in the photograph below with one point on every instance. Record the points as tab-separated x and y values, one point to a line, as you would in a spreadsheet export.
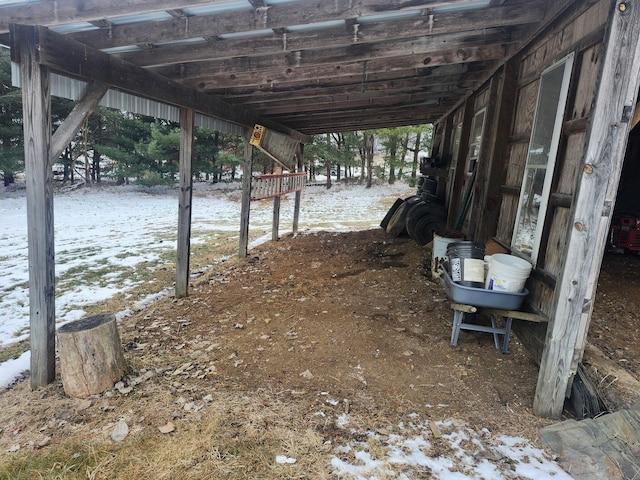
185	197
425	46
245	207
407	67
279	17
571	164
354	93
298	196
457	185
275	224
616	95
36	107
393	32
494	153
589	67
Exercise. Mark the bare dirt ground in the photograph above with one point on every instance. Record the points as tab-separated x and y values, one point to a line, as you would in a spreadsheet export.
267	351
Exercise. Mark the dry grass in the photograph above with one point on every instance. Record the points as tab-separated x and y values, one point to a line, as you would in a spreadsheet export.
233	437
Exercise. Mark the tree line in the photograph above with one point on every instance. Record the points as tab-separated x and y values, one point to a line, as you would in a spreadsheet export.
129	148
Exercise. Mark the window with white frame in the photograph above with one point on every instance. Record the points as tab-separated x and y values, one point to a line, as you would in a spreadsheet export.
475	141
541	157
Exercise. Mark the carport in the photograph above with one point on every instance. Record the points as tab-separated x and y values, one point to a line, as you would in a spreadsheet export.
300	67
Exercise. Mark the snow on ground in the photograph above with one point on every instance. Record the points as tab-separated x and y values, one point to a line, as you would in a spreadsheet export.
442	450
102	235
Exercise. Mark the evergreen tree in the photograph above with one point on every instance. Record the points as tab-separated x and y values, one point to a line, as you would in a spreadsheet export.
11	133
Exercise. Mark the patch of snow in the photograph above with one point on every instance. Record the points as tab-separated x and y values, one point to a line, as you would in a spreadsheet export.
461	453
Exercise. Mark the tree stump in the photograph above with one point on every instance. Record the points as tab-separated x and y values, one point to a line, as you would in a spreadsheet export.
91	359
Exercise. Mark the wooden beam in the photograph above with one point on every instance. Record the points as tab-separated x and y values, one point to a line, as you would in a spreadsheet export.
279	17
81	111
615	100
245	207
185	197
71	58
385	93
36	107
372	36
455	45
296	78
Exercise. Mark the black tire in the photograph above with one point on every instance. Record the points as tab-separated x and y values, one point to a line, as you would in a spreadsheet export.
385	221
419	210
397	224
426	226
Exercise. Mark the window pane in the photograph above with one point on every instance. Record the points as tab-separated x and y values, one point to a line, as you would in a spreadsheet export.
529	210
543	147
547	109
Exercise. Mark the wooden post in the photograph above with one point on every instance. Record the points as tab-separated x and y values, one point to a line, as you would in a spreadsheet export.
246	196
91	359
184	202
36	105
597	184
276	219
298	197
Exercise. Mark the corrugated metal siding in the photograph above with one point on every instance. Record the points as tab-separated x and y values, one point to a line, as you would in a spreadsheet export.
65	87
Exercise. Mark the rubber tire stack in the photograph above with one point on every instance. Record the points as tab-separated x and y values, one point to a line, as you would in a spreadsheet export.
419	216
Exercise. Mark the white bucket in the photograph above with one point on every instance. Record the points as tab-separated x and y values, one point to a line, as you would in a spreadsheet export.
507	273
440	242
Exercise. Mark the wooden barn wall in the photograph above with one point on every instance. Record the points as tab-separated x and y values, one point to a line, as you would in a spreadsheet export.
581	32
455	158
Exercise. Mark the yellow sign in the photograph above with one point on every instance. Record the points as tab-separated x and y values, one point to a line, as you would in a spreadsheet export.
256	136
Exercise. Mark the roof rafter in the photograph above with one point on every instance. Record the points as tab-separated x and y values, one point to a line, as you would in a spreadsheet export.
69	57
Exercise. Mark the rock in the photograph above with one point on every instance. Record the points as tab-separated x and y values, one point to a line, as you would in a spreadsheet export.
124	390
168	428
13	448
284	459
43	442
120	431
83	405
306	374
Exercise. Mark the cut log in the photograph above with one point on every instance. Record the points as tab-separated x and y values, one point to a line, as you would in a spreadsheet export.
91	359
